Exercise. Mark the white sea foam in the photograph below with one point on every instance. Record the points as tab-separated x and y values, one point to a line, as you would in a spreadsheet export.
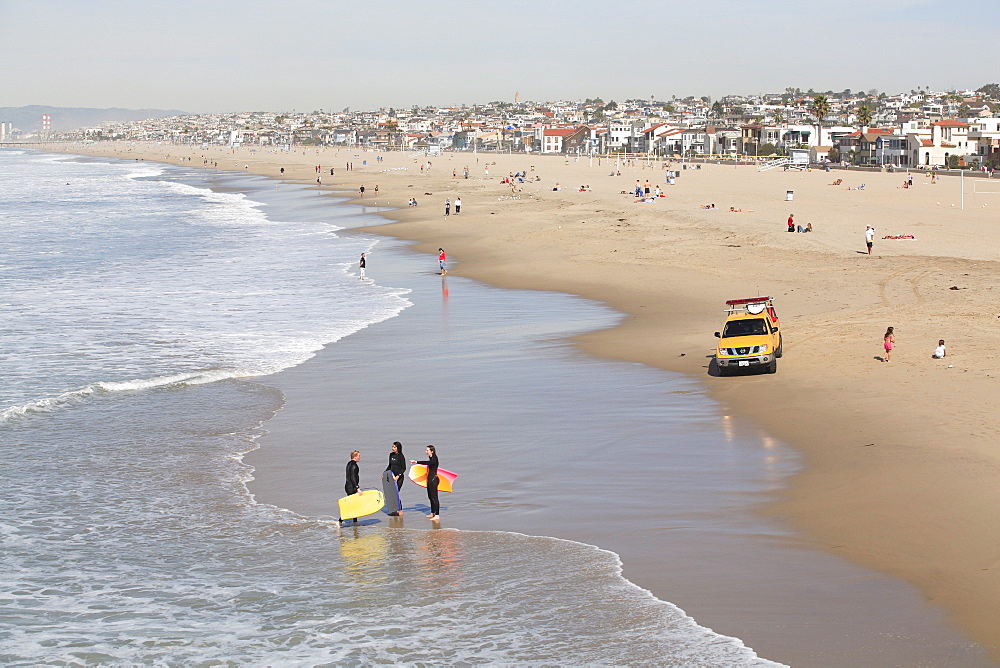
120	283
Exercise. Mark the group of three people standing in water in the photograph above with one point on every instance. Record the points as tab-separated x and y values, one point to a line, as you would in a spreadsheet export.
397	465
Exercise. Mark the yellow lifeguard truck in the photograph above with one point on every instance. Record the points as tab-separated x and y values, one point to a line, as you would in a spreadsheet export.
751	337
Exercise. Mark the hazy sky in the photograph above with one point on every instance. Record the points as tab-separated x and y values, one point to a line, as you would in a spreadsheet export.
229	55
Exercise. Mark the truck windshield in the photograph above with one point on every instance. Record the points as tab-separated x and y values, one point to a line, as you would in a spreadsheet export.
745	328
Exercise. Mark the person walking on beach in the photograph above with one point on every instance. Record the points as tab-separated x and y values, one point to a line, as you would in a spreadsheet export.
458	205
353	484
361	265
397	464
432	481
362	190
870	239
442	258
887	342
447	207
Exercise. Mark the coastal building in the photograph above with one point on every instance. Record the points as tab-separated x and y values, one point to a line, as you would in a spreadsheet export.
564	140
898	150
949	137
986	133
860	147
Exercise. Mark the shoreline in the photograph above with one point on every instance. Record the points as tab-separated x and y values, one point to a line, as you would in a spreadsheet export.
902	484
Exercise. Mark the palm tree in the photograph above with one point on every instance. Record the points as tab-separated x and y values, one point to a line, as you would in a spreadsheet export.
779	117
820	108
864	116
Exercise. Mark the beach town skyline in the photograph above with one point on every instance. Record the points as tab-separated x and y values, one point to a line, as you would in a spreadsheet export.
909	129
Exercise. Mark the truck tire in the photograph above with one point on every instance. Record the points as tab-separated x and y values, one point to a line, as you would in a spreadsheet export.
781	346
724	370
773	366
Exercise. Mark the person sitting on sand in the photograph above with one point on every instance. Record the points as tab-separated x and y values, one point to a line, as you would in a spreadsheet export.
940	351
837	182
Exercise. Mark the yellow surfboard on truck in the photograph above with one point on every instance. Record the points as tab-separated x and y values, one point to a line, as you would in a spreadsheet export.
359	505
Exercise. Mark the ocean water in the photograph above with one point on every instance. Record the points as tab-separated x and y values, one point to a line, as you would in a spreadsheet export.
142	314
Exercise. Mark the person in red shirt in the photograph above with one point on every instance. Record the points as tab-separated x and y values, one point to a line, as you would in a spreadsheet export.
791	222
441	260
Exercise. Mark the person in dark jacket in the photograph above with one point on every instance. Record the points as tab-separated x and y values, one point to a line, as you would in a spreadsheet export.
397	464
432	481
353	484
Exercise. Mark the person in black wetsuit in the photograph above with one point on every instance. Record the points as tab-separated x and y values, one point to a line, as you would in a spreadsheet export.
432	481
397	464
353	484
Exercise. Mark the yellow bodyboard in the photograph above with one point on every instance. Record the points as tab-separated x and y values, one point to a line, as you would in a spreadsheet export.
359	505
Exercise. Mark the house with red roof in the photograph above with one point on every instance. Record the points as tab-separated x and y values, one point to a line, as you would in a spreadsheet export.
565	140
949	137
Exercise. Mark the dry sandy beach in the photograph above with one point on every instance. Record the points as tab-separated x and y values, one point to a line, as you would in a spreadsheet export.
902	458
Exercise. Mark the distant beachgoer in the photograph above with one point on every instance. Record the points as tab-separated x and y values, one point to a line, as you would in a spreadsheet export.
791	222
458	205
442	258
432	481
331	171
809	227
361	265
887	342
447	207
282	170
645	188
362	191
940	351
376	189
869	238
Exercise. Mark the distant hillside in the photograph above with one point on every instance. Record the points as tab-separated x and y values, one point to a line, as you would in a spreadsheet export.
29	119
